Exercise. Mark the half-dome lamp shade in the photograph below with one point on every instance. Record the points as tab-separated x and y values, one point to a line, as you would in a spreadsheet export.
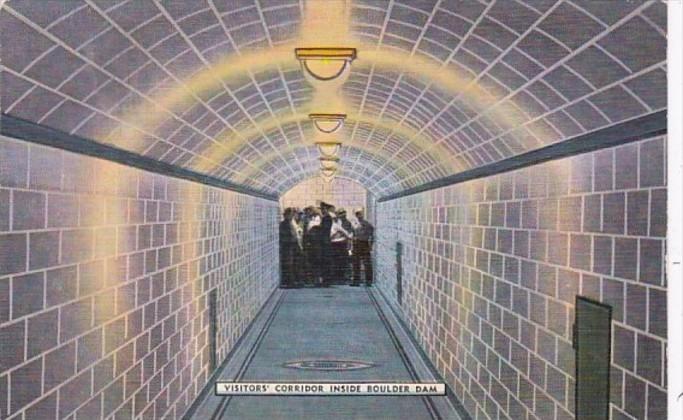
328	173
328	149
325	63
328	163
328	123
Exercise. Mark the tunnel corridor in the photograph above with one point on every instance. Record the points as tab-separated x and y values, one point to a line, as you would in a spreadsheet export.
338	324
512	156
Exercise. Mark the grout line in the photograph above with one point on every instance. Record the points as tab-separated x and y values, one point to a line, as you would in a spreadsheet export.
633	130
402	354
35	133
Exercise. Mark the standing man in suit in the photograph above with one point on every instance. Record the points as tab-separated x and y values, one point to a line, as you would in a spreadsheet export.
363	237
308	215
313	244
326	230
288	244
345	268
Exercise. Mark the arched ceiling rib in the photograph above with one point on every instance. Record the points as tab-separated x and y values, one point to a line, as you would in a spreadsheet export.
360	175
439	86
355	163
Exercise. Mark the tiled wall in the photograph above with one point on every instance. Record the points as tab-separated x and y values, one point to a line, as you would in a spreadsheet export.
105	273
341	192
491	268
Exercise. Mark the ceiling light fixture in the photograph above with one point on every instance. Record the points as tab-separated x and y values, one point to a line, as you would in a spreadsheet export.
328	162
328	123
328	174
325	63
328	149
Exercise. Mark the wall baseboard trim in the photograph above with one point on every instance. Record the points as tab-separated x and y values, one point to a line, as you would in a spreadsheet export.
40	134
246	339
650	125
449	406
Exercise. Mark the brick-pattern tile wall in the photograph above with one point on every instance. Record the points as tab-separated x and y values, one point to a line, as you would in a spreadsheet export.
491	269
105	273
341	192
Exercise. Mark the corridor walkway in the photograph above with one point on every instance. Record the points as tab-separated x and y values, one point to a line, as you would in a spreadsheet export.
340	323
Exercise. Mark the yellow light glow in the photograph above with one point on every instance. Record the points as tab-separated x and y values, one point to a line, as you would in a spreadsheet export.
229	144
328	126
326	163
330	149
325	54
325	64
328	48
328	123
325	70
325	23
399	171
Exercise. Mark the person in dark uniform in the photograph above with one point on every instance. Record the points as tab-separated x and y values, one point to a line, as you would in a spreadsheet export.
287	249
307	215
363	236
306	265
313	248
345	268
327	253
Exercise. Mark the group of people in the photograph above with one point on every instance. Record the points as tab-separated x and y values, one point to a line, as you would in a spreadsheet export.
319	244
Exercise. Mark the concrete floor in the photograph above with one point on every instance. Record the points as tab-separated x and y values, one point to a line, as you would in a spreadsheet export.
336	323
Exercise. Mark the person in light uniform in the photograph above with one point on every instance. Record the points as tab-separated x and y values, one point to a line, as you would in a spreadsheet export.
339	238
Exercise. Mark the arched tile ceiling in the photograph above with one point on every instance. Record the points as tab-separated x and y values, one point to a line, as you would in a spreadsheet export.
439	86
